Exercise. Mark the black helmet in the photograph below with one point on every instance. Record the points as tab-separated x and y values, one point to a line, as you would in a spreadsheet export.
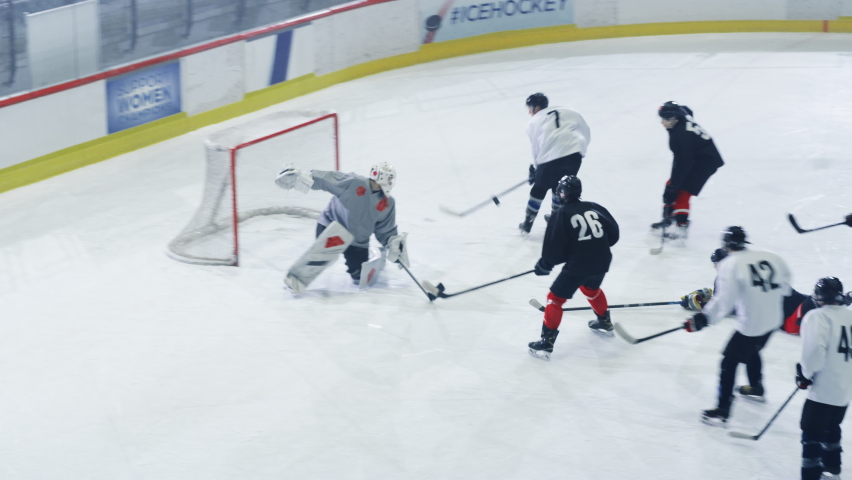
569	188
829	291
734	238
718	255
537	100
674	110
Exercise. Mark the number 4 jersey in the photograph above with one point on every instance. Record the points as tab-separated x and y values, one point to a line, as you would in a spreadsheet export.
753	284
826	354
579	235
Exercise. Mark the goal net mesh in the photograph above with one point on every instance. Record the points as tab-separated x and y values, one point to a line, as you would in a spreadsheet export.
242	163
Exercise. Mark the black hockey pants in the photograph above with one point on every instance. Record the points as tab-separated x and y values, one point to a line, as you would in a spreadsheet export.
547	176
740	349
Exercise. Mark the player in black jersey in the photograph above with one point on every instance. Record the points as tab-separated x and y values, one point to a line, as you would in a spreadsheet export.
695	160
579	234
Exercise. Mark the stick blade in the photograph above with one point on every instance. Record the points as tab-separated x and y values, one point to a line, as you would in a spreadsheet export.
623	333
743	435
431	291
450	211
536	305
794	224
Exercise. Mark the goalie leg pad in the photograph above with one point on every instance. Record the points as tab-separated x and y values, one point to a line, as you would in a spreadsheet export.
370	269
333	241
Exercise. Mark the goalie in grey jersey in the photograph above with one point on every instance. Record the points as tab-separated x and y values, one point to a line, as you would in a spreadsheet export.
363	206
827	369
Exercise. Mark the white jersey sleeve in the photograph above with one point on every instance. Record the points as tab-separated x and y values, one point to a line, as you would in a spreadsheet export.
557	132
827	354
753	284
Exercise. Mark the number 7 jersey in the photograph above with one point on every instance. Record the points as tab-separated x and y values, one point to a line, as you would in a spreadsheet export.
754	284
580	235
826	354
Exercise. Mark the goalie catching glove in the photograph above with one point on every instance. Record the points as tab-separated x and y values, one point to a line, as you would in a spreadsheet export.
291	177
398	250
696	300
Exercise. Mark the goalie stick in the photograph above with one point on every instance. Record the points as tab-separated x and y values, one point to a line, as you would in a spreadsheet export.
756	437
803	230
428	295
494	198
537	305
633	341
438	292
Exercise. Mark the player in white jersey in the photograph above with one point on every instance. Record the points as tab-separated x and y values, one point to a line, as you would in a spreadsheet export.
559	137
753	284
826	367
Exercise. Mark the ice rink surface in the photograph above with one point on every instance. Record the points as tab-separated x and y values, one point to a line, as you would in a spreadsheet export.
117	362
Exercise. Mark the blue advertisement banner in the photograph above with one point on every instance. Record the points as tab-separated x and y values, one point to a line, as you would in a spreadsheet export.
451	19
143	96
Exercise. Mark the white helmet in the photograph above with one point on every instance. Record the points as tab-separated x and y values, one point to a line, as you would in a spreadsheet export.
385	175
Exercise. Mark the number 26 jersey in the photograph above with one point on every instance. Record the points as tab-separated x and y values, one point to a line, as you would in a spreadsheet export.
754	284
580	235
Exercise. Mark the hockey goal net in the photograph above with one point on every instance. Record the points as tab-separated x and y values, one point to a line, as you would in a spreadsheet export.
242	163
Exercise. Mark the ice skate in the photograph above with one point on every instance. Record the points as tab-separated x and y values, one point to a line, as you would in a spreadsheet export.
546	218
829	476
666	222
544	347
717	417
527	224
602	325
755	394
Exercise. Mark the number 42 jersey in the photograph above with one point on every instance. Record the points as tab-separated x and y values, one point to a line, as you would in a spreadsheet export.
580	235
754	284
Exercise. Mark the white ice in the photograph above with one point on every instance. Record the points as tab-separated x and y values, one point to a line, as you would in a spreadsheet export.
117	362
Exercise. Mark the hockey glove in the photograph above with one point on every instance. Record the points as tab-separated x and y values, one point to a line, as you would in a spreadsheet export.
532	176
670	195
847	299
696	300
802	381
849	219
291	177
695	322
398	250
542	268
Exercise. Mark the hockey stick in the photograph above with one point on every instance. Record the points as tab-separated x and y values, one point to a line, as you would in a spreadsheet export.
633	341
657	251
535	304
438	292
494	198
428	295
755	437
802	230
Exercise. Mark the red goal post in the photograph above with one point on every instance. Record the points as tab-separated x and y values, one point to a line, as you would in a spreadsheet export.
242	163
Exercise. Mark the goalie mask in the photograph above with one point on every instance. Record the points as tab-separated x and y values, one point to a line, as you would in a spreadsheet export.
385	175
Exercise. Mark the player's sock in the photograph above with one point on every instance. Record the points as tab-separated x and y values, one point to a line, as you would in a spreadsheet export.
811	457
597	299
553	311
532	211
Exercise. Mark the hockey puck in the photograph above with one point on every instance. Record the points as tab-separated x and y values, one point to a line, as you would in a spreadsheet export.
433	23
496	201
